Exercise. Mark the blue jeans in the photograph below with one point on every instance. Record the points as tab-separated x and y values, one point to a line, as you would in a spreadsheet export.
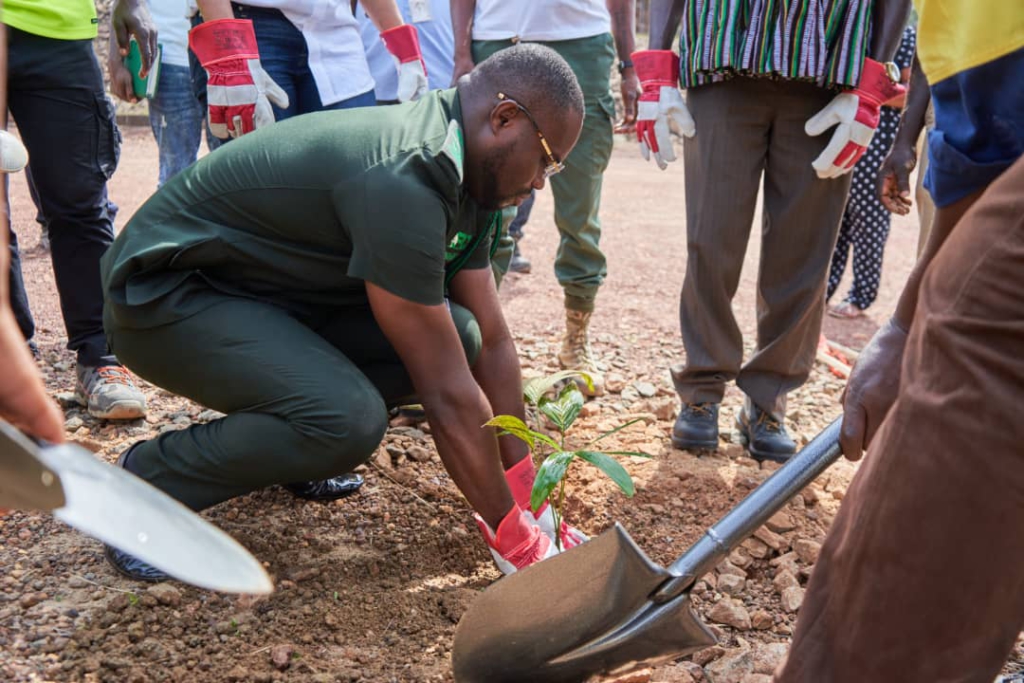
285	58
176	118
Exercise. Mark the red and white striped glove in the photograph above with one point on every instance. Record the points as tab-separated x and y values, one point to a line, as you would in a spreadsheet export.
520	478
238	90
403	43
661	104
517	543
856	112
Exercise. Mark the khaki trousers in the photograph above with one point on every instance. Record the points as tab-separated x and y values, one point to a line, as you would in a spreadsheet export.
920	577
747	128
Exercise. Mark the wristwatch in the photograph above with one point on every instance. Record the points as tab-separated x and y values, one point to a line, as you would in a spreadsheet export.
625	64
892	70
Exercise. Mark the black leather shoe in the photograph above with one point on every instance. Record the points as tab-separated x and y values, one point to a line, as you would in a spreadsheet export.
133	567
696	427
327	489
126	564
764	436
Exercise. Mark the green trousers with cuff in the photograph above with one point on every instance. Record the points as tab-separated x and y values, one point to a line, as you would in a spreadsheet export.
305	400
579	264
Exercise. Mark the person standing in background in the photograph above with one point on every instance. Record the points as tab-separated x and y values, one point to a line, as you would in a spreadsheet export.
587	34
56	94
175	115
866	222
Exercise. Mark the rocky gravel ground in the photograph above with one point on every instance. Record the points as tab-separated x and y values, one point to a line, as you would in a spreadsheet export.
370	588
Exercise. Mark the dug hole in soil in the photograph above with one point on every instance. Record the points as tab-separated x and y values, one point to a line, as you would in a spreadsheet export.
370	588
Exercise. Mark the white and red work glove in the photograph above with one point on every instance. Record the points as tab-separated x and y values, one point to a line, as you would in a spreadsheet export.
517	543
856	112
238	90
13	155
661	104
403	42
520	479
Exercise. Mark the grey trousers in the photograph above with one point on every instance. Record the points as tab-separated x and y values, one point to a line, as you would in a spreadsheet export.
745	128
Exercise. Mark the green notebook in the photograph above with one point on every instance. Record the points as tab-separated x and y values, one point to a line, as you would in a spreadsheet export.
143	87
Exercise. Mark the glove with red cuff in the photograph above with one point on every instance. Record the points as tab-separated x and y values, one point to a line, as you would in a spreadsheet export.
403	43
517	543
661	104
238	90
856	112
520	479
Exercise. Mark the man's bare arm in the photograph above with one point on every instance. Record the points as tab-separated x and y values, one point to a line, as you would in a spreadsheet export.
497	369
428	344
665	16
462	29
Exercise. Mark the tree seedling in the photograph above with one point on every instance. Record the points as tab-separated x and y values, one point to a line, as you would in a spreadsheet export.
562	411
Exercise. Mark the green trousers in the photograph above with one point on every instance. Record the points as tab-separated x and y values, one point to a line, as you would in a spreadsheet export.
579	264
305	400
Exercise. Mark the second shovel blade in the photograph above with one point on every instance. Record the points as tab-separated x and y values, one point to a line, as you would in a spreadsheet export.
531	626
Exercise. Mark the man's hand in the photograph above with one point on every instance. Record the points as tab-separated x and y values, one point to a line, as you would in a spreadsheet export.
403	43
872	389
120	78
894	179
131	18
520	478
855	114
630	89
238	90
463	65
517	543
661	104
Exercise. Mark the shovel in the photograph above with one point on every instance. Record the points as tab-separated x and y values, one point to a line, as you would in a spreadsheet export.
604	607
122	510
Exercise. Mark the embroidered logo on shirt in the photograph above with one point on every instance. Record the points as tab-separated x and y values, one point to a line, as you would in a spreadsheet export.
454	148
457	245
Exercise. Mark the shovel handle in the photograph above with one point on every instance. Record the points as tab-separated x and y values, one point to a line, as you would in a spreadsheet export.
753	511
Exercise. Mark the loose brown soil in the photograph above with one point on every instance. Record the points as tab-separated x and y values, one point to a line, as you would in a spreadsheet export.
370	588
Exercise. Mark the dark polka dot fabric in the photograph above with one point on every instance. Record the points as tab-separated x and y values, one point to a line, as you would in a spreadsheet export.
865	224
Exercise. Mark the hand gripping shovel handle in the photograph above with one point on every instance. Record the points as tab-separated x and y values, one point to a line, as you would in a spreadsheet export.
744	519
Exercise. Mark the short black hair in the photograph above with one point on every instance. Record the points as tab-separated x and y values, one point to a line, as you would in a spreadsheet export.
535	76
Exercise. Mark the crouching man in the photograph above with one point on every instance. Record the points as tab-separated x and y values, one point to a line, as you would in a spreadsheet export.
313	273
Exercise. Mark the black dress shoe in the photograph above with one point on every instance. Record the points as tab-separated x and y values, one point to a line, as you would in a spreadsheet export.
327	489
133	567
764	436
696	427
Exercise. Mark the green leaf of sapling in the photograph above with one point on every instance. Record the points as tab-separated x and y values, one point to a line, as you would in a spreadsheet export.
550	472
611	467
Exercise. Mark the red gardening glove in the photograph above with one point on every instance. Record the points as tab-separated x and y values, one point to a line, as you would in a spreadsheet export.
518	542
404	44
661	104
856	112
238	90
520	479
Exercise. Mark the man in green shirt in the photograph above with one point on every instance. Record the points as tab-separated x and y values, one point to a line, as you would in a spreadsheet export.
313	273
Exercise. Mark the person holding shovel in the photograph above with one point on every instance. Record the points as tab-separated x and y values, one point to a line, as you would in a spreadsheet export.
919	578
310	274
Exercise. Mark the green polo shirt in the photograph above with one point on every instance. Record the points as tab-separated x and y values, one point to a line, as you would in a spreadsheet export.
61	19
303	213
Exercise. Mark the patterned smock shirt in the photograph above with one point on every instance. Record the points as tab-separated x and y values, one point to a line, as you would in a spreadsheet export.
820	41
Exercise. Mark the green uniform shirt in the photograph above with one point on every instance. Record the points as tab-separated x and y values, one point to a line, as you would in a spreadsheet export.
304	212
61	19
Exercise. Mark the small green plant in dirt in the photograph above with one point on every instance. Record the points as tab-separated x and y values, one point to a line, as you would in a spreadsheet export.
562	409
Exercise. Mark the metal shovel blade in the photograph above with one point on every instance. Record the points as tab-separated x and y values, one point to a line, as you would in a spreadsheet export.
522	626
124	511
604	607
